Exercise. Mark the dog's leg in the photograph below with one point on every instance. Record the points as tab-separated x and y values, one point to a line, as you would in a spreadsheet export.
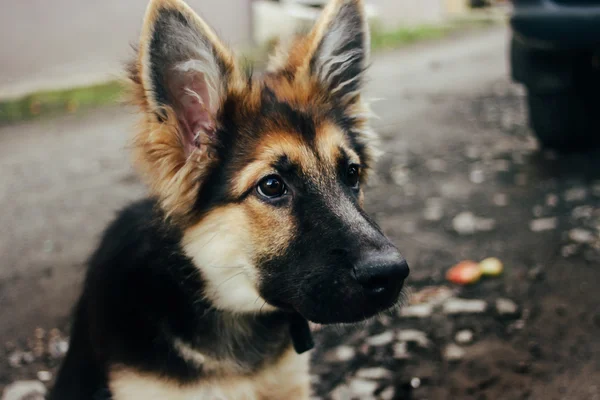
79	377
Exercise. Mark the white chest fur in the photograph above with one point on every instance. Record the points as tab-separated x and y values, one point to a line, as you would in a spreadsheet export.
287	379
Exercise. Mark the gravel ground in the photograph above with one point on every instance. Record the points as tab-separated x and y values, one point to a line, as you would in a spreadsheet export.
461	179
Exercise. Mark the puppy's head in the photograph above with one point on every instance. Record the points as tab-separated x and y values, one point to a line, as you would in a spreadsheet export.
265	176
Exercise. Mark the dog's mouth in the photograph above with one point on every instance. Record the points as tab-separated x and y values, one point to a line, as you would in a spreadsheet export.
332	308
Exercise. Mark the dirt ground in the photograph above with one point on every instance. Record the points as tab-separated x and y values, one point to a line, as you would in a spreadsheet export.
461	178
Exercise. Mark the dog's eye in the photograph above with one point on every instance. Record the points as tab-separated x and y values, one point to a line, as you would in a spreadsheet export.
271	187
353	176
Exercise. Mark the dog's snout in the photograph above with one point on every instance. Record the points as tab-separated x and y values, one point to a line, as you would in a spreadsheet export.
381	273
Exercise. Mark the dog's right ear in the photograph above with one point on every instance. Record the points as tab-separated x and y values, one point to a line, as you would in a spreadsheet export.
181	78
183	65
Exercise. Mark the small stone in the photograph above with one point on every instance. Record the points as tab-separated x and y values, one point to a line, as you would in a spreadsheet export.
518	324
48	246
44	376
24	390
464	336
341	392
543	224
477	176
536	273
579	235
388	393
314	327
433	209
433	295
453	353
521	179
417	311
465	223
551	200
399	175
15	359
500	199
575	194
569	250
362	387
463	306
506	307
485	224
40	333
401	351
9	346
28	357
473	152
381	339
38	349
373	373
344	353
501	165
414	336
364	349
415	383
583	212
57	347
436	165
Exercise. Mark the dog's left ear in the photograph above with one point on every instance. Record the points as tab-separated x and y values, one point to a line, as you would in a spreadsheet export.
339	47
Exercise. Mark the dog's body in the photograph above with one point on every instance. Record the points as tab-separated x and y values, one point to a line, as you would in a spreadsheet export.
255	224
155	324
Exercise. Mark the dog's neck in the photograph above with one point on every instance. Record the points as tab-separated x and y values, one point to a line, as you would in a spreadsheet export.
225	342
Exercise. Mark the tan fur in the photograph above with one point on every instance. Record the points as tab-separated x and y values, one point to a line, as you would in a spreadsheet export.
288	379
329	141
209	365
221	244
236	235
160	159
271	147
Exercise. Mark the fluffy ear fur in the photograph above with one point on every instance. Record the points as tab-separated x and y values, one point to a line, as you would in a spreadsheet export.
336	51
341	44
180	80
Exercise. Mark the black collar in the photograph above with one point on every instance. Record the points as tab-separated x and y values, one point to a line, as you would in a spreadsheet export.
301	335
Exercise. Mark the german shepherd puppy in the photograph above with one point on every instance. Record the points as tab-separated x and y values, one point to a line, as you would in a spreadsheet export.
254	227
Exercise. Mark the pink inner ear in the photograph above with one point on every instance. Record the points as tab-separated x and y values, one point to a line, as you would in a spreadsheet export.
192	104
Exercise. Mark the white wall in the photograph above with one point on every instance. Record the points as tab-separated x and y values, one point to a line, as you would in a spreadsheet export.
394	13
48	44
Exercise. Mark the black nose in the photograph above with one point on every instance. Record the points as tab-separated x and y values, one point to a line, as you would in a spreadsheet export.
382	272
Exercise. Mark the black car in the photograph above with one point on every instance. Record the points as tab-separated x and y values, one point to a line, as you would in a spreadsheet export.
555	54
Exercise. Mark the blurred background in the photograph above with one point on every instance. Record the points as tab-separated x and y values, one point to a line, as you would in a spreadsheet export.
489	118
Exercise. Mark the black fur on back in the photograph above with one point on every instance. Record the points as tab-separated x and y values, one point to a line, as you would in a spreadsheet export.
141	292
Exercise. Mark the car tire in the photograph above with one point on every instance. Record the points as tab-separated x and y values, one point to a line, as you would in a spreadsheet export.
561	121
